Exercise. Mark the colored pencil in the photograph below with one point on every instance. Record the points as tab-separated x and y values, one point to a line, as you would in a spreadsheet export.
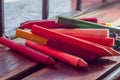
103	41
90	46
89	32
83	24
71	49
70	59
38	56
30	36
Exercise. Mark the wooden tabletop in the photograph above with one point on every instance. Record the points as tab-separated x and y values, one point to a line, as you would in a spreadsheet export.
62	71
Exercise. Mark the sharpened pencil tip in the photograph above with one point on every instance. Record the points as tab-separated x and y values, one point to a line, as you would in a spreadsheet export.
50	61
82	63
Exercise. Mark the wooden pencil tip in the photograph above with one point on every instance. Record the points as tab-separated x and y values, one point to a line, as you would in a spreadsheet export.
82	63
50	61
113	51
107	53
116	53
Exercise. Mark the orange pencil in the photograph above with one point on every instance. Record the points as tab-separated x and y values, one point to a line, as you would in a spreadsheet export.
86	45
70	59
30	36
88	32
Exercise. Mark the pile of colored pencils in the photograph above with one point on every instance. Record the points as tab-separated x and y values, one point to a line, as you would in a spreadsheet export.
73	41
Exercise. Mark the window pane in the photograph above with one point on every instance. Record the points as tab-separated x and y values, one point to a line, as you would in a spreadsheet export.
57	7
18	11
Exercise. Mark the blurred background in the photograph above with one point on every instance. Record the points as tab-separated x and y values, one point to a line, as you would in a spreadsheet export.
18	11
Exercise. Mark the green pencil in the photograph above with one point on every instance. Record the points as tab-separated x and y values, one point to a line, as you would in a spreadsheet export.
83	24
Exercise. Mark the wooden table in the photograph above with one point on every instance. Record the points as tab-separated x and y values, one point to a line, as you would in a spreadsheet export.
16	66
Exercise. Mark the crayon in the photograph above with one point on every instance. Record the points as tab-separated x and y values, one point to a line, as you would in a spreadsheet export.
88	56
70	59
50	23
38	56
83	24
89	32
89	46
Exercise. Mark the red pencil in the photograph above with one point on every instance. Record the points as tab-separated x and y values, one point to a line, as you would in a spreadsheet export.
89	46
103	41
70	59
50	23
44	23
71	49
89	19
38	56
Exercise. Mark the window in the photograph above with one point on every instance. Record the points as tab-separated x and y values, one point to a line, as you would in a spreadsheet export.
18	11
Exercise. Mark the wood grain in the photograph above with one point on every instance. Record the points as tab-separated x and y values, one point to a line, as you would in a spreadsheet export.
63	71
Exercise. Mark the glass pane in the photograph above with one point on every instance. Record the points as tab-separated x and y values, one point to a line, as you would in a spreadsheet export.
18	11
57	7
